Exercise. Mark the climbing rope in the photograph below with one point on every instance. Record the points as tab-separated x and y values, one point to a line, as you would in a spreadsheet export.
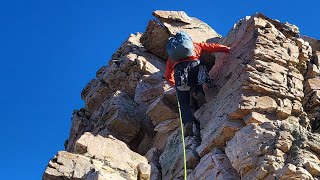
183	144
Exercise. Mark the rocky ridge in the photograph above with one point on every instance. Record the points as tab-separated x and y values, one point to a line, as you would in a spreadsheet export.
261	119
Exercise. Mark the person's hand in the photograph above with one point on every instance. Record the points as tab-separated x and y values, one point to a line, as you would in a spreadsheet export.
228	49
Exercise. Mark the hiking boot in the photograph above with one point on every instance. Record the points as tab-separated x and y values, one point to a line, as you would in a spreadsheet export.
188	129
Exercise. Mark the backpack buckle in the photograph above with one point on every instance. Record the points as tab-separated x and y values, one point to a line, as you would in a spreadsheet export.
183	85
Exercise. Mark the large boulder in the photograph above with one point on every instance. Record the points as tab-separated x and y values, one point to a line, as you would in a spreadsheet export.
167	24
97	157
94	93
116	116
164	108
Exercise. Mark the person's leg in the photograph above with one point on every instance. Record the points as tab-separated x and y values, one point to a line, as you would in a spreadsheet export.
196	88
185	110
198	92
184	101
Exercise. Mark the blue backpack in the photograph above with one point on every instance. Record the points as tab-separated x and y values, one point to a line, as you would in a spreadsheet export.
180	46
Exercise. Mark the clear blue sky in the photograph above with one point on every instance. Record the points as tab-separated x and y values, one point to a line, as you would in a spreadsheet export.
50	49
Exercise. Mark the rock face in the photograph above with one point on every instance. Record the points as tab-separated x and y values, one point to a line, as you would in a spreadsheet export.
171	160
168	23
214	165
261	119
96	157
274	150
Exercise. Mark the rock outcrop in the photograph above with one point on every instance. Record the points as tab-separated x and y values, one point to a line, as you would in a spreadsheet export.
261	119
96	157
274	150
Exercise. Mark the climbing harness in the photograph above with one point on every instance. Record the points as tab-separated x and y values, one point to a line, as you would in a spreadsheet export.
183	84
202	77
183	143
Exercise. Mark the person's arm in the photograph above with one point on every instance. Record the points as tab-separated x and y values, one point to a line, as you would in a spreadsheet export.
212	47
169	74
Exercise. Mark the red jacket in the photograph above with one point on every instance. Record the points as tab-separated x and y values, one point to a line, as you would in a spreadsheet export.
198	48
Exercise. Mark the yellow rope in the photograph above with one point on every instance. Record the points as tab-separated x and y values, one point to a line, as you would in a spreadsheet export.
183	144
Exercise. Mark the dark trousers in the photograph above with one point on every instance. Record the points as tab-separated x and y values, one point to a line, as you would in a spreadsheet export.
189	100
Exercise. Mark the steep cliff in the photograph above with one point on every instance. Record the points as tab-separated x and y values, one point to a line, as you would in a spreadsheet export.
261	119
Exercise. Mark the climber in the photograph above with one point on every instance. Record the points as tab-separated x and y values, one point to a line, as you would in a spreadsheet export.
183	70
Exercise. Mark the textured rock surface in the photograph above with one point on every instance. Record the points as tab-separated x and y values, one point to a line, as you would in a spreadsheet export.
261	119
214	165
262	74
117	99
170	22
162	109
100	158
311	100
171	160
274	150
117	116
